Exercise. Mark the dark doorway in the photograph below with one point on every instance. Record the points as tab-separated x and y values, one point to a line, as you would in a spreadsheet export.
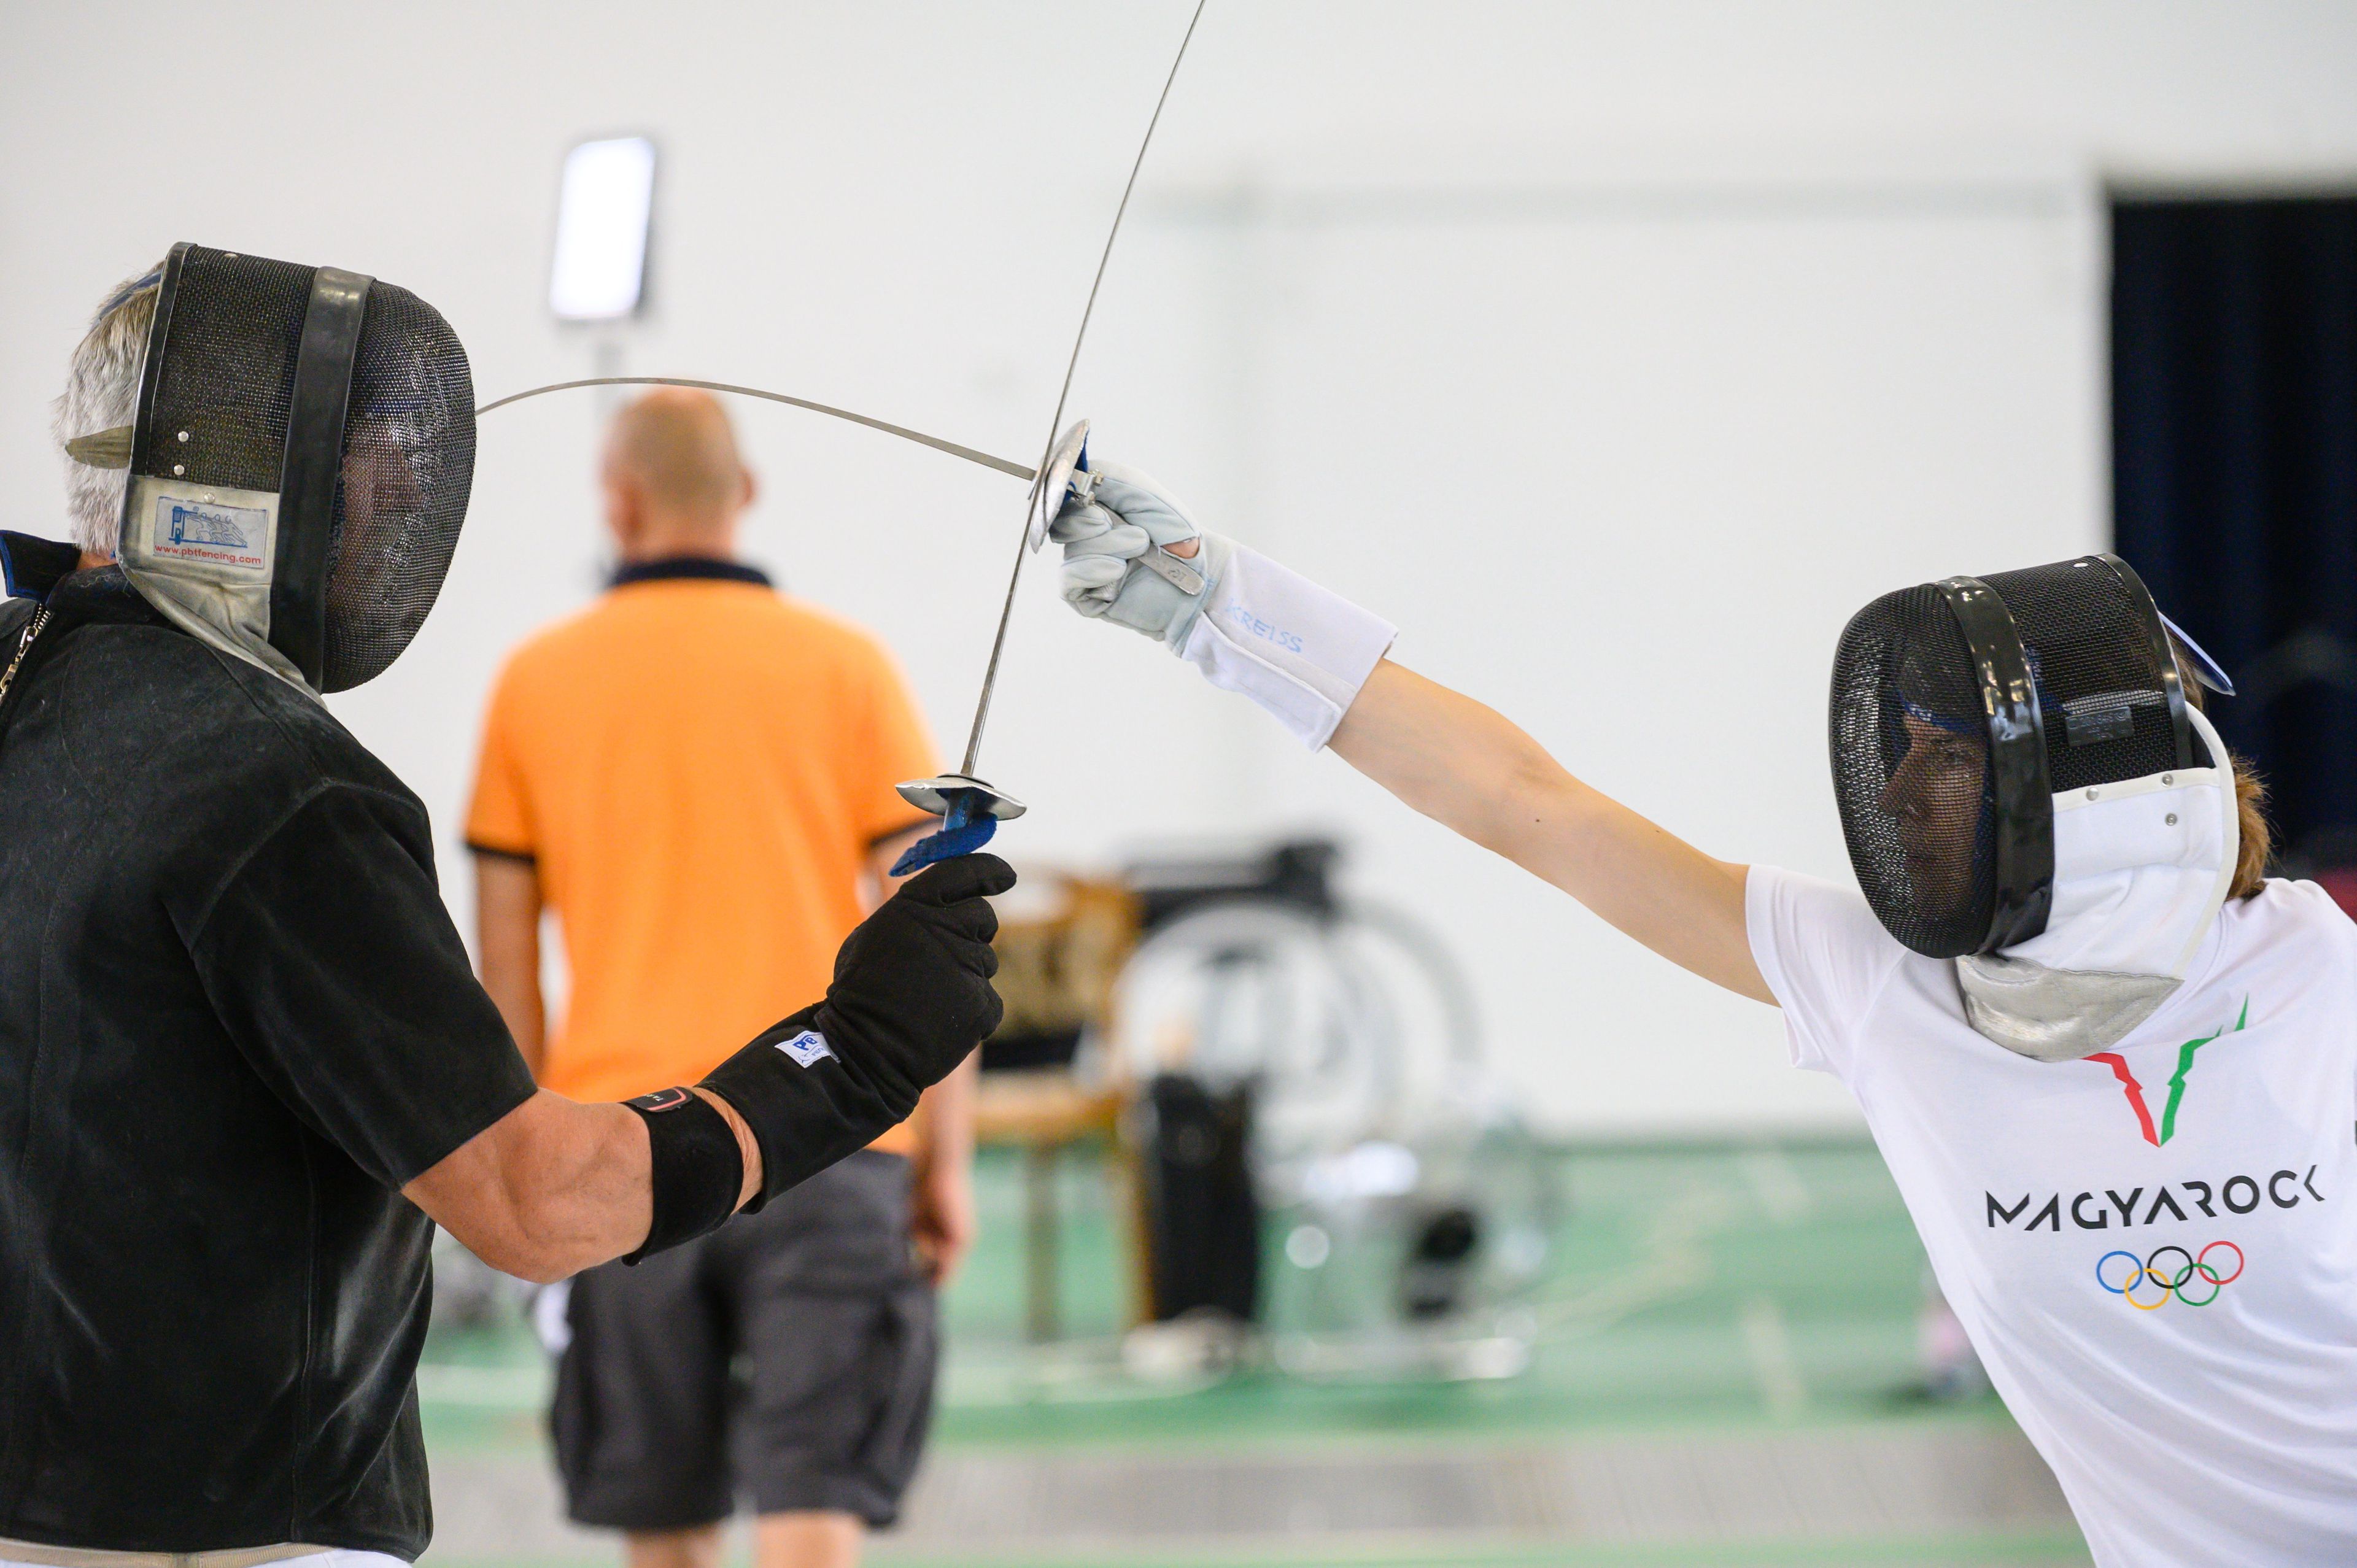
2235	478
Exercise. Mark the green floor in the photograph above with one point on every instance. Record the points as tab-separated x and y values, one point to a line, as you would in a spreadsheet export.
1667	1264
1690	1287
1662	1258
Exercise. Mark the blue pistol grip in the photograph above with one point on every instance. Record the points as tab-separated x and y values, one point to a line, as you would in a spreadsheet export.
967	828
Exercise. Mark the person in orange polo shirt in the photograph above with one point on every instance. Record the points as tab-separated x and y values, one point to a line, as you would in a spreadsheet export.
695	775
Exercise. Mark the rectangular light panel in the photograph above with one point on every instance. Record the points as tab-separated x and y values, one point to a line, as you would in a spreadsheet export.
603	210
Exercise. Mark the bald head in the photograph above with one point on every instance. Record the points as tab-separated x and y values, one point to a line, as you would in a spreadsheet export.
674	484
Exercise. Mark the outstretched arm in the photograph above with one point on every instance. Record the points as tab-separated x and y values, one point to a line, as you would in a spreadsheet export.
1469	768
1315	661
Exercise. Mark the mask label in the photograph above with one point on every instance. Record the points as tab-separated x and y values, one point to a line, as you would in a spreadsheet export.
234	537
809	1048
2090	722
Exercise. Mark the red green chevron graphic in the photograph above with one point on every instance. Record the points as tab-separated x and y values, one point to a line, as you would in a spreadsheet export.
2118	1064
2134	1090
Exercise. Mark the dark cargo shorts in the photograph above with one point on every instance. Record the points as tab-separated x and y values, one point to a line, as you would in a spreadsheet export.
787	1358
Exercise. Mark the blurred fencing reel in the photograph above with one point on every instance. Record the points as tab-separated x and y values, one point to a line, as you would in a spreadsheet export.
1412	1206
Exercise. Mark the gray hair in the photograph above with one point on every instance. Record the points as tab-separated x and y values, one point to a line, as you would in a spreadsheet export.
101	393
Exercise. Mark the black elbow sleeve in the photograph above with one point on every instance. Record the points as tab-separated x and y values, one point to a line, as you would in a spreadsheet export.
694	1168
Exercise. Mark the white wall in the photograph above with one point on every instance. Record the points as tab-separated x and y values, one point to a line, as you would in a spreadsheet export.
1619	351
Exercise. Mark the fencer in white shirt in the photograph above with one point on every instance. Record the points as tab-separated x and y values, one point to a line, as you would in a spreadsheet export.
2113	1068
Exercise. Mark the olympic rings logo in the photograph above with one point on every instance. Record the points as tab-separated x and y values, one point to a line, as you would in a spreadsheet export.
2163	1280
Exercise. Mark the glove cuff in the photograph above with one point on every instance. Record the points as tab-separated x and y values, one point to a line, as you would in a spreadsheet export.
1299	651
807	1107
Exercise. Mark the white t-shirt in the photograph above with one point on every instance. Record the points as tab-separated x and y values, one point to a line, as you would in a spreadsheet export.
2154	1249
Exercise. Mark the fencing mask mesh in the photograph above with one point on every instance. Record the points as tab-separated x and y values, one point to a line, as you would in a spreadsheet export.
1960	708
1912	772
300	463
409	462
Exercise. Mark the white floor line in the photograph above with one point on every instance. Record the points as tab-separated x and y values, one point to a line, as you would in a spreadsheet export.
1675	1263
1772	1367
1777	1184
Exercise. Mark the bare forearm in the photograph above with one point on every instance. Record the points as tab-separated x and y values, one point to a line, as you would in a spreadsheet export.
1455	761
507	937
1469	768
555	1187
517	996
942	1216
546	1191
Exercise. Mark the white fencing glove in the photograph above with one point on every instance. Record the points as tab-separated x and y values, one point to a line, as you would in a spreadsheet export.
1248	624
1117	564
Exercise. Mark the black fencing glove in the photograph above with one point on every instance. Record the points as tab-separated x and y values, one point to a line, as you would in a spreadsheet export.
911	999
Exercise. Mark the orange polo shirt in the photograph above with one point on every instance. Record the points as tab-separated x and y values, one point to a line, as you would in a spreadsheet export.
699	767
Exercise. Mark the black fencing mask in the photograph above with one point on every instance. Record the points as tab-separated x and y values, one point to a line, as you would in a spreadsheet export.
1963	710
299	463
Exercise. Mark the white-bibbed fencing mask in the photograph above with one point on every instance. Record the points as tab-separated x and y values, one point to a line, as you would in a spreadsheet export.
2026	790
299	463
